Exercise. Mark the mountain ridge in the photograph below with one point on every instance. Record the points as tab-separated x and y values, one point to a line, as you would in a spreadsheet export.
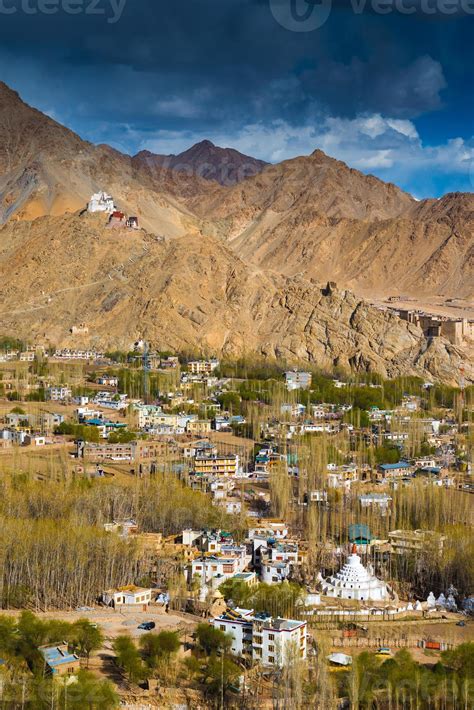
226	166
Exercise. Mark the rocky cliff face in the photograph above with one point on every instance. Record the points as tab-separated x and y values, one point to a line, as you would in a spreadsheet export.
190	293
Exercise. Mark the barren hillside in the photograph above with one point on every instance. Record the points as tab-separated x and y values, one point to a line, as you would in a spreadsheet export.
47	169
192	292
316	217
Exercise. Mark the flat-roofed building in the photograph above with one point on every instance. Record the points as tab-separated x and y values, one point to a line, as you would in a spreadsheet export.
270	641
58	660
216	465
295	380
129	596
408	541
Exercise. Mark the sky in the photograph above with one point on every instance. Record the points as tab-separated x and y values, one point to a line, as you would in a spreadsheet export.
385	85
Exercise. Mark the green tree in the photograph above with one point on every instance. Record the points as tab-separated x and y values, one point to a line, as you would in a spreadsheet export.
219	675
87	637
461	660
159	646
212	640
128	658
88	692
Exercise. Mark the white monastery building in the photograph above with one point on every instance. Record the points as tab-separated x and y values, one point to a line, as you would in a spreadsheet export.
101	202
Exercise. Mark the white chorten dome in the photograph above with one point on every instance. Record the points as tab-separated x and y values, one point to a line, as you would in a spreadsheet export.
354	581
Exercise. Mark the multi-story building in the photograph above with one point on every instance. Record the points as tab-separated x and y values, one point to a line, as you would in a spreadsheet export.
392	471
152	417
216	465
203	367
263	639
294	410
376	501
269	528
215	570
67	354
405	542
295	380
58	394
132	451
342	476
101	202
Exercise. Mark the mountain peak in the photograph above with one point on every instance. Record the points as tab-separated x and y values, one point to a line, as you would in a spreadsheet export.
205	159
7	92
204	144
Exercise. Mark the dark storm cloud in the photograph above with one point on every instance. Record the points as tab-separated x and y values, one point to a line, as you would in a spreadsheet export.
126	75
235	49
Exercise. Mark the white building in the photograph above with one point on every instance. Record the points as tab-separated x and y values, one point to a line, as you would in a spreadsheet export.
295	410
203	367
354	581
58	394
262	639
215	570
101	202
342	476
295	380
152	416
268	528
68	354
130	596
380	501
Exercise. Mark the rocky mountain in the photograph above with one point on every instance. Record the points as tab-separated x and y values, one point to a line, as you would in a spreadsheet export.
317	217
47	169
225	269
194	293
206	160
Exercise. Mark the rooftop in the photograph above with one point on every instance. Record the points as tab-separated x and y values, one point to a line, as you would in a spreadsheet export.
392	466
57	655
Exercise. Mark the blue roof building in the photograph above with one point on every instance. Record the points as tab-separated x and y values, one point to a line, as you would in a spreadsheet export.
395	466
58	660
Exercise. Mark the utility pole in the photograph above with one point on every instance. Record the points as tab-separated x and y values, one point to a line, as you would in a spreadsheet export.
146	372
462	386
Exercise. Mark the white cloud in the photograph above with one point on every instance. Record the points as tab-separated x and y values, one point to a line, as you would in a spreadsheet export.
380	159
392	148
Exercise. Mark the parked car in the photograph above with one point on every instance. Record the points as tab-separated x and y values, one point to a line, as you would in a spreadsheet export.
461	623
147	625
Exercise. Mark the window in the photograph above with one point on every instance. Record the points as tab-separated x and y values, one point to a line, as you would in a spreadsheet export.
271	649
271	659
271	637
222	627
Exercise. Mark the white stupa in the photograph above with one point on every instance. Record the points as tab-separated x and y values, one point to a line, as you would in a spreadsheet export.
354	581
